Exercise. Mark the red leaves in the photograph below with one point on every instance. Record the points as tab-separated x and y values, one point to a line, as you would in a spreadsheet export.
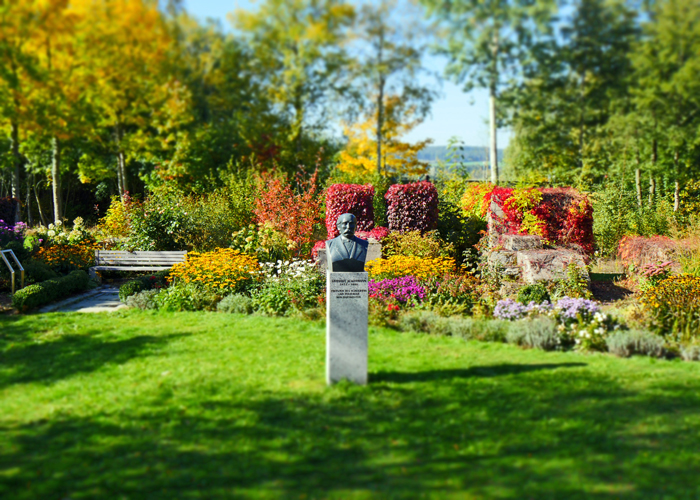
567	216
353	199
412	206
293	213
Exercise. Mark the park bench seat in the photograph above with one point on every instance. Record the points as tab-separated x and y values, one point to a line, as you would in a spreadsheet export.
119	260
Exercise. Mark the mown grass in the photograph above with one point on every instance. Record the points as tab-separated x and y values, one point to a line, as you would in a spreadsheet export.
203	405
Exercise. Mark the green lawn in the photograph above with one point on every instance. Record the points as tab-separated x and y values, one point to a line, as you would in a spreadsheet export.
204	405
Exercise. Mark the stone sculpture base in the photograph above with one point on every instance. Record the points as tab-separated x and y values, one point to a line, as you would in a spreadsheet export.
346	327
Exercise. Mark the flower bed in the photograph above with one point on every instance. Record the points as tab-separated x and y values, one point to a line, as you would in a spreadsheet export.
224	269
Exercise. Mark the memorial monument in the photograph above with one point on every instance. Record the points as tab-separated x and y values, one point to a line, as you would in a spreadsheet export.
346	305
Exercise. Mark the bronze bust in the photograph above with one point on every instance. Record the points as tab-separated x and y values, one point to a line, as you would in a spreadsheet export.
346	253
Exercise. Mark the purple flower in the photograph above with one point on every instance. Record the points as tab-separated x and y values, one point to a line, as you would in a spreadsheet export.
509	309
570	308
402	289
542	308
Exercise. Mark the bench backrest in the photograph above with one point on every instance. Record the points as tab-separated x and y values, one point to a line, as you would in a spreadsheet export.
123	258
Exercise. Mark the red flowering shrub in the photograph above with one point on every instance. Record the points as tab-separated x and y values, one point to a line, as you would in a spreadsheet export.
412	207
640	250
578	226
378	233
353	199
292	213
561	216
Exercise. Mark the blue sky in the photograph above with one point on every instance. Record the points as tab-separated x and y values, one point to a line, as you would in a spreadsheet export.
456	113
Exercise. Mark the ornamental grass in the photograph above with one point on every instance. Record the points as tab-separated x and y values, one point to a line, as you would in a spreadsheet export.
401	265
223	269
674	307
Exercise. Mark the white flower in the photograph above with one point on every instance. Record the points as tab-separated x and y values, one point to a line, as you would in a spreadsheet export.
58	223
51	226
600	317
51	233
599	331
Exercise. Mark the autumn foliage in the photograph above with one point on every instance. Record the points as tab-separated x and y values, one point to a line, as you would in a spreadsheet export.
290	211
353	199
412	207
561	216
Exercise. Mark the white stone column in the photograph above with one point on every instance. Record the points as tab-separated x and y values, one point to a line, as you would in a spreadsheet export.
346	327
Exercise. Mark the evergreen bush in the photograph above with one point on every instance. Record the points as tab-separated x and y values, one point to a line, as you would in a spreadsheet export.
40	294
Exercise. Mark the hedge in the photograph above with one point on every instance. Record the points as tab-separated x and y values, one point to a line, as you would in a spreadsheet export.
412	207
33	296
353	199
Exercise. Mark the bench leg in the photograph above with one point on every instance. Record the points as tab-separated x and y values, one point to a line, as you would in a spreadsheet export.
95	276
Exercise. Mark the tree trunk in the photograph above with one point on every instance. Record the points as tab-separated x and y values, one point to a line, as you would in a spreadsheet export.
56	179
30	219
380	124
652	190
122	168
14	139
121	164
638	184
493	145
38	202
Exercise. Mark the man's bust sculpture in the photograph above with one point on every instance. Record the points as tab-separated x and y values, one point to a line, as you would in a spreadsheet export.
346	253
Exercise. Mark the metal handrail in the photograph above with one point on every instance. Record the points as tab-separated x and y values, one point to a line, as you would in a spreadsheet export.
12	271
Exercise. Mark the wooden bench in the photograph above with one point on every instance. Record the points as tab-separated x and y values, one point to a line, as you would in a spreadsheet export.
116	260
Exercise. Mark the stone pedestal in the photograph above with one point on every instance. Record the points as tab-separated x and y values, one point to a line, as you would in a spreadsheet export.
346	327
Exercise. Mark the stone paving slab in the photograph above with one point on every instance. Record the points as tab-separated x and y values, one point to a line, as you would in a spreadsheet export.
102	299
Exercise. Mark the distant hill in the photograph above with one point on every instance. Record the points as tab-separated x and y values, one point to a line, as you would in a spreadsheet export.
466	154
474	158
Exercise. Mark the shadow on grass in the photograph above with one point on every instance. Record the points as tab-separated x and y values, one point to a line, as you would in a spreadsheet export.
477	371
64	355
543	434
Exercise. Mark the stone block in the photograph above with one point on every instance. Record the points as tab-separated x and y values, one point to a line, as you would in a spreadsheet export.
374	251
502	258
346	327
548	265
518	242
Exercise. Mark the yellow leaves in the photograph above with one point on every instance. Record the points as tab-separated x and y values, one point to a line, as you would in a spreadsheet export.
360	154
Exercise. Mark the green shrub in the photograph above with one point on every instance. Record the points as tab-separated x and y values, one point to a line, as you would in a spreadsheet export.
48	291
415	244
187	297
36	272
538	333
467	328
630	342
575	285
536	293
145	299
157	280
617	214
289	294
236	303
131	288
450	294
